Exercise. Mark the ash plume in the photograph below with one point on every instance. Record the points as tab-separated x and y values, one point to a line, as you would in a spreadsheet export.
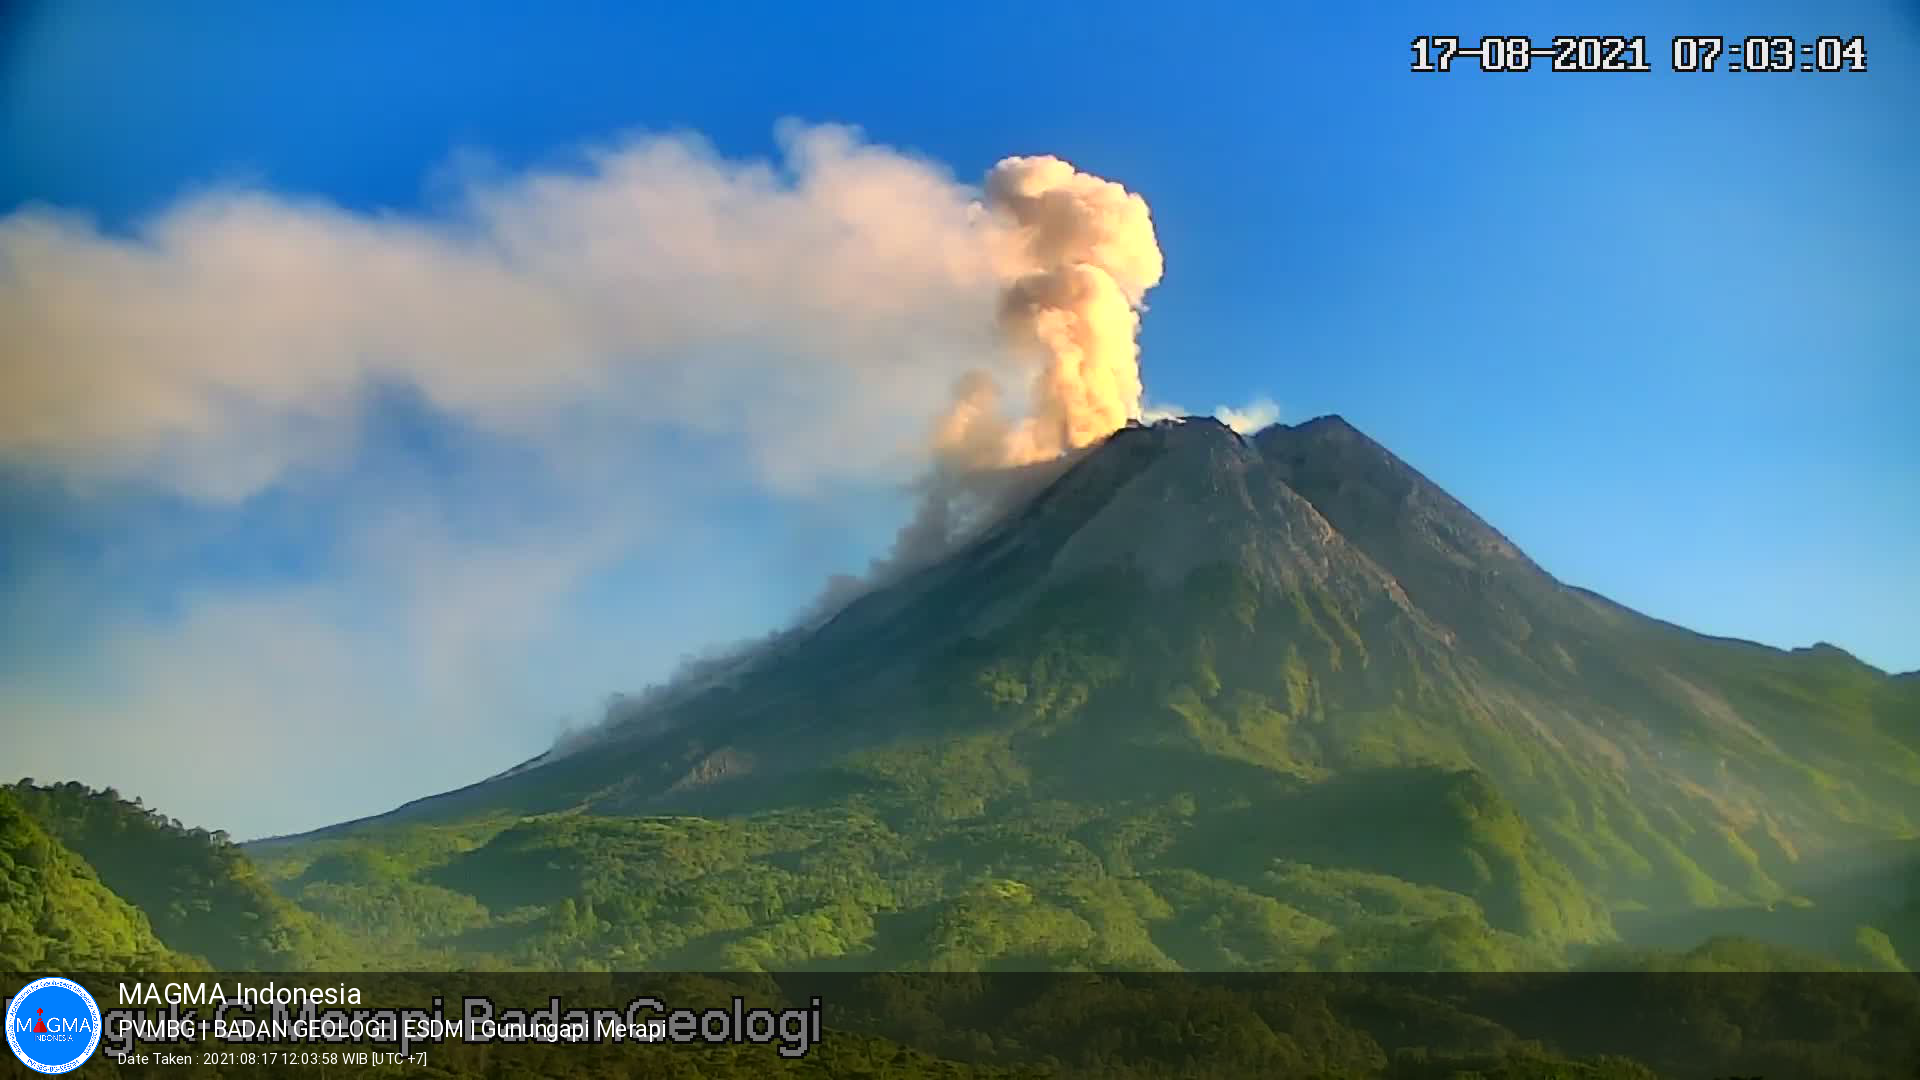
841	315
1075	255
648	712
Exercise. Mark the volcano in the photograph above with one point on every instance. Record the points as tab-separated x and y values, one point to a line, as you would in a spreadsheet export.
1204	701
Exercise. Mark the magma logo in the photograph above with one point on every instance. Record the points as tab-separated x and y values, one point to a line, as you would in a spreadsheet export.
53	1025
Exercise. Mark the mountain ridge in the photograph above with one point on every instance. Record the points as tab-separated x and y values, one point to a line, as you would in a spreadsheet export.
1113	465
1154	667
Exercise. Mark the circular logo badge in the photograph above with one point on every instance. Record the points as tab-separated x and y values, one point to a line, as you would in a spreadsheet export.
53	1025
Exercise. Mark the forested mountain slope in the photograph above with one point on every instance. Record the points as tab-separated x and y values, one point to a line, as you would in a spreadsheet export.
197	890
55	915
1204	702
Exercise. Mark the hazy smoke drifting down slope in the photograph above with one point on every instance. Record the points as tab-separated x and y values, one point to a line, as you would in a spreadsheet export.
645	330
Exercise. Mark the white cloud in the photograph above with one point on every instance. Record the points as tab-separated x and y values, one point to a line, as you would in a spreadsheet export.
1246	419
804	321
1249	418
818	309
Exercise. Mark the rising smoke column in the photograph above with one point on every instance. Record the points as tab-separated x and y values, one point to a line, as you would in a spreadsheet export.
1077	255
812	314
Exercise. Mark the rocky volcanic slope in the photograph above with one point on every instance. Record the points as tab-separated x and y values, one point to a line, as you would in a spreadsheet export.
1205	701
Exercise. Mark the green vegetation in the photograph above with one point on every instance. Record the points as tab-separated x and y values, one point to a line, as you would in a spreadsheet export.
199	893
55	915
1368	737
1079	798
1070	797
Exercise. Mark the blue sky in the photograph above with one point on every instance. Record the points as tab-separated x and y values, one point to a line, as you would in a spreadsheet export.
1660	329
